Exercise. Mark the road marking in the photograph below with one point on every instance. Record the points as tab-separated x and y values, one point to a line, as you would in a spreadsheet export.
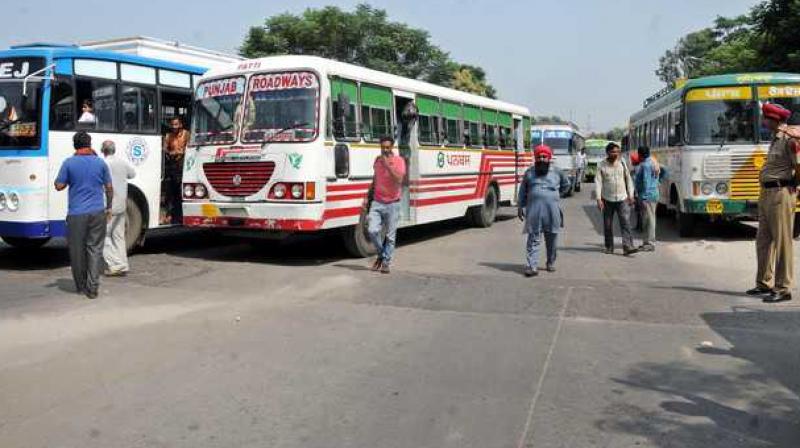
540	382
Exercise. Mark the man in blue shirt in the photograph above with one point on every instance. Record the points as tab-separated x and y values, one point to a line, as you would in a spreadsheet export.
646	182
87	176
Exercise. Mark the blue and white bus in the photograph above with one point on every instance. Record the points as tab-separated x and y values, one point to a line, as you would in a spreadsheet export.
42	91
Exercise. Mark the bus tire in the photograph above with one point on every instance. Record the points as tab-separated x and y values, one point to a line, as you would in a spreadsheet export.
796	228
686	222
356	242
25	243
134	225
484	215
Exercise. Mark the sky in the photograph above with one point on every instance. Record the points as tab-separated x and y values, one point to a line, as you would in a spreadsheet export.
589	60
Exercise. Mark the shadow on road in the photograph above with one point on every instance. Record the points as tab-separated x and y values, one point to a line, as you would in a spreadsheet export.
755	401
516	268
666	229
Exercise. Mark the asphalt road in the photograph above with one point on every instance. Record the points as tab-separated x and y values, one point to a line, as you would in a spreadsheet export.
213	342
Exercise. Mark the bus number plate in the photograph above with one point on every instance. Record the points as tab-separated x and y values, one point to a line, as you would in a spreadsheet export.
714	207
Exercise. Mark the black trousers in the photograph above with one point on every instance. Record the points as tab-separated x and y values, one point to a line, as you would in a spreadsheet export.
86	235
623	211
174	186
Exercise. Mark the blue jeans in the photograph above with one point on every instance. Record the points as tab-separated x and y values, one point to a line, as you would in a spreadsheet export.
534	247
383	216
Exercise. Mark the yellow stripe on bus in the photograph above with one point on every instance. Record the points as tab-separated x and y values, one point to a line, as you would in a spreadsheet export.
720	94
784	91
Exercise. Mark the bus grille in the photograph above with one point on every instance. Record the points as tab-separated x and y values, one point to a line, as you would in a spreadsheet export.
238	179
741	168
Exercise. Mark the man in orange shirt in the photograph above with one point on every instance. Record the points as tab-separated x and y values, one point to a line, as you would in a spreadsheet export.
174	148
384	212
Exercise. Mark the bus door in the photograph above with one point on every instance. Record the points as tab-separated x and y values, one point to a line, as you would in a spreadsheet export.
174	104
519	152
405	130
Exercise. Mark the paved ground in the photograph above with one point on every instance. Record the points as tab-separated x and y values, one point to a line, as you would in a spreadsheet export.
216	343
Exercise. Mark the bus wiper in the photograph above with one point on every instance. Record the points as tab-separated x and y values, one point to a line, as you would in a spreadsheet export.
281	131
8	123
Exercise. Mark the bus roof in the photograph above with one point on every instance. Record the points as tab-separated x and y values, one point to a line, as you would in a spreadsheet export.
559	127
328	67
599	142
51	51
733	79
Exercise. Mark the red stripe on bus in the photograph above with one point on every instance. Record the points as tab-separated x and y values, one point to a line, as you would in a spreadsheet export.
334	213
442	200
472	178
348	187
443	188
345	197
226	222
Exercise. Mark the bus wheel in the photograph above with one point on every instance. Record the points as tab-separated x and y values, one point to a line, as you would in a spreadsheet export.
686	222
134	225
25	243
796	229
484	215
356	242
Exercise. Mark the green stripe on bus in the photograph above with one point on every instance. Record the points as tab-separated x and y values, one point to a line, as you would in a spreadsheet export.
427	105
489	116
346	86
504	119
376	96
451	110
472	113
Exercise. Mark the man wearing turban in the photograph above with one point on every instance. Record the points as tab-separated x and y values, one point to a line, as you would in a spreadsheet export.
538	202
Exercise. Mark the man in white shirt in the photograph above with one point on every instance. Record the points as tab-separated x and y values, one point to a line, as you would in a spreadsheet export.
115	250
614	189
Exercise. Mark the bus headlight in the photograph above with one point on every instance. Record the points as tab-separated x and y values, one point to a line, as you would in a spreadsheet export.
297	191
279	191
706	189
188	191
200	191
722	188
13	201
3	200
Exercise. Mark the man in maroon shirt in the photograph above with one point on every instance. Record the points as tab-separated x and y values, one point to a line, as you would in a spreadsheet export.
384	211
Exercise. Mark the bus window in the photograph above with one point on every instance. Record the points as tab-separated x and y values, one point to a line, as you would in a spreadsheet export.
138	105
346	128
558	141
96	105
428	130
715	122
62	105
215	108
376	112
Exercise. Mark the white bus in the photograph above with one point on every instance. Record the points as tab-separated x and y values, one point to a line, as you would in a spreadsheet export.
566	141
42	90
286	144
708	134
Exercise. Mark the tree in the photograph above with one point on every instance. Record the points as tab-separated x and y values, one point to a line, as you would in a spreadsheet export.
777	22
364	37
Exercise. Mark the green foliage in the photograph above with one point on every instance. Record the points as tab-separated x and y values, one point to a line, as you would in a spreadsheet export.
765	39
364	37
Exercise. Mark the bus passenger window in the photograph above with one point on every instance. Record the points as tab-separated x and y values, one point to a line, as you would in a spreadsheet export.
62	106
96	105
138	109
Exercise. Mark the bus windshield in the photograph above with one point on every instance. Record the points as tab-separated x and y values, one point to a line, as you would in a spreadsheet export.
216	107
19	116
596	151
282	107
558	141
723	121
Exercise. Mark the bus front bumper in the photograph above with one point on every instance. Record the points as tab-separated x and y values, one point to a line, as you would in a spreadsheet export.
33	230
289	217
727	208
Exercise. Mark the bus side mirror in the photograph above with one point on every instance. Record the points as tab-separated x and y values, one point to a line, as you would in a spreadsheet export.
341	155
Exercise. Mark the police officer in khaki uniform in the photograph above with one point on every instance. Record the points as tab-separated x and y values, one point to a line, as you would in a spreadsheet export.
776	204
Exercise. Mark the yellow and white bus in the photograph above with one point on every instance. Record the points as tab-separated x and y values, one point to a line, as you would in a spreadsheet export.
708	134
286	144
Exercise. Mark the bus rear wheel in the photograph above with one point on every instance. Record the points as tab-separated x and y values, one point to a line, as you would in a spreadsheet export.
356	242
484	215
25	243
134	225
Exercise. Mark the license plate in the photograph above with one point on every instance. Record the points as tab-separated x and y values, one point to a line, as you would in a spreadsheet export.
714	207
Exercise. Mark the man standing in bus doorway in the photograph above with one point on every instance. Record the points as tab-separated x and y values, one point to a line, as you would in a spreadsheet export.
384	210
614	191
648	176
776	204
174	149
538	202
115	251
86	175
